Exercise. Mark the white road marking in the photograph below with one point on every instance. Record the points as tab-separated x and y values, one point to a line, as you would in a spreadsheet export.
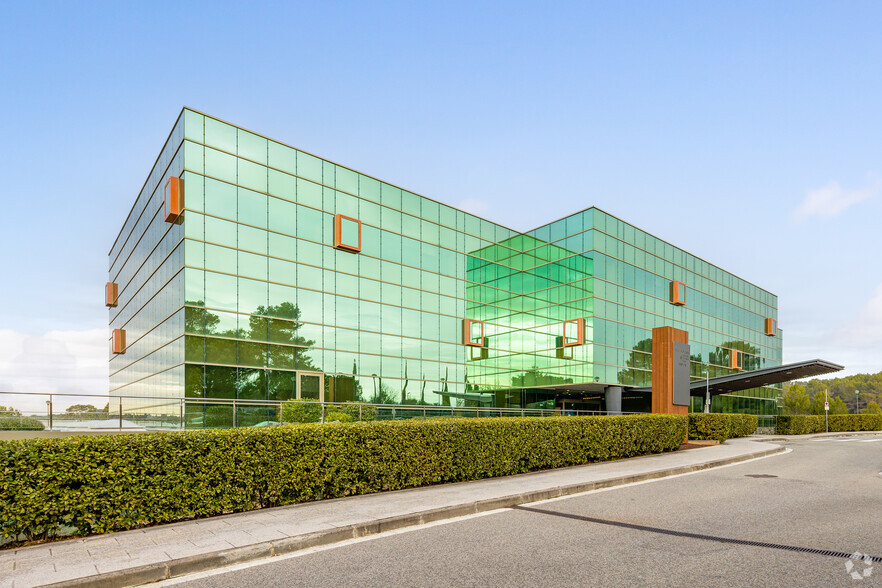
311	550
847	440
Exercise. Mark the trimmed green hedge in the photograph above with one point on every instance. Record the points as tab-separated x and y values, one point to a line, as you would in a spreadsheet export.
806	424
721	426
304	411
110	483
20	423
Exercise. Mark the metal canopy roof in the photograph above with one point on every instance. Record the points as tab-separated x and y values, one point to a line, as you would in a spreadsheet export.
756	378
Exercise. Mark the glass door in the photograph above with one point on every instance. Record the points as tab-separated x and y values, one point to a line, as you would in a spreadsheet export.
311	386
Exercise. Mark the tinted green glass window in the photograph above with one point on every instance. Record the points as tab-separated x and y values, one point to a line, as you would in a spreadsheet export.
220	135
220	165
220	199
252	208
252	146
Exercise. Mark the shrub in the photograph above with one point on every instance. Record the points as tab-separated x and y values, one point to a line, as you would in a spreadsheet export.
218	416
301	411
110	483
20	423
806	424
368	412
720	427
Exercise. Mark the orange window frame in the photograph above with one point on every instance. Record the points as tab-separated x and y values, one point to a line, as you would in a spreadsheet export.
580	332
736	359
338	233
467	333
675	293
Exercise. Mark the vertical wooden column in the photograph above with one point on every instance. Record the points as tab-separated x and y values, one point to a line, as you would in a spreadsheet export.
663	339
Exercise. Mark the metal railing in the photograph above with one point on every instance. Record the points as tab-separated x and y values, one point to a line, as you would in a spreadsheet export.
766	423
82	412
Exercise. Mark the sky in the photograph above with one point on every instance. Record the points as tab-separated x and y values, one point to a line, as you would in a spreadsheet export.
748	133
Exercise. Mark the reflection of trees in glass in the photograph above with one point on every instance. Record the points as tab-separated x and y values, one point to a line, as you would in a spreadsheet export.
751	359
275	324
382	393
639	362
271	340
535	378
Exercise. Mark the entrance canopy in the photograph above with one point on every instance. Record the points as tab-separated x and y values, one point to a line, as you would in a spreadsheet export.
757	378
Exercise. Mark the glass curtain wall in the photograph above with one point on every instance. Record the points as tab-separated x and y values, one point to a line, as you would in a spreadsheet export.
250	298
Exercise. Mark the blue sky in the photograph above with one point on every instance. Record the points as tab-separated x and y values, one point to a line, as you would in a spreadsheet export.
749	133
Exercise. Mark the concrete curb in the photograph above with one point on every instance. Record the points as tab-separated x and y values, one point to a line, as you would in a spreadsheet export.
207	561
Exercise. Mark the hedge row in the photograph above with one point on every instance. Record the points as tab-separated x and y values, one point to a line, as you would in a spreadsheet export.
721	426
20	423
806	424
110	483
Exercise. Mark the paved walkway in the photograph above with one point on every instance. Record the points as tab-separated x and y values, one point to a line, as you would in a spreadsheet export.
146	555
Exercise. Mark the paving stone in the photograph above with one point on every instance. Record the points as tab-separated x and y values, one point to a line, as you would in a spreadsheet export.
265	534
28	565
106	550
148	551
190	549
49	575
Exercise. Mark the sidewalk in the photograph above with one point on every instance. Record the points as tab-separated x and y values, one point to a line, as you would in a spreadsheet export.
155	553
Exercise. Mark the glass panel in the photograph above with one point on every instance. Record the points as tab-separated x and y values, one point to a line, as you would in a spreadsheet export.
349	230
310	386
477	331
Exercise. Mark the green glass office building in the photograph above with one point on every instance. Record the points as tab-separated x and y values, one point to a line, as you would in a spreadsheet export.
251	269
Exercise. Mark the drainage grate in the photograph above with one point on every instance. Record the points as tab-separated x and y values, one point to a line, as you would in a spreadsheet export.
760	476
827	552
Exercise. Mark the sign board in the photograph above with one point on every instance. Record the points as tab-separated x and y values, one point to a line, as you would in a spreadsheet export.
681	374
826	406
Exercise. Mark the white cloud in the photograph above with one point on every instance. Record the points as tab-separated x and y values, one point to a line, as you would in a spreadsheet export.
58	362
476	207
832	199
865	330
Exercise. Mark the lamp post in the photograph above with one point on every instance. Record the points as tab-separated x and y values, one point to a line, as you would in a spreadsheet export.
707	399
857	400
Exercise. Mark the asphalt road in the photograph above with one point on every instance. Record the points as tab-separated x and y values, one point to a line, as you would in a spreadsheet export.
824	494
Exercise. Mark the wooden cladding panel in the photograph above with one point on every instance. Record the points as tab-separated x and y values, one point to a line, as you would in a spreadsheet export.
111	293
174	200
663	339
119	341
